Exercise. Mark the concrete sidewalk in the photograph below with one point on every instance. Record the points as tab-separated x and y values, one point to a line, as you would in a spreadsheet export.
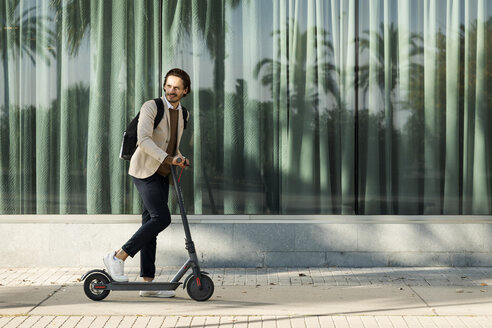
276	297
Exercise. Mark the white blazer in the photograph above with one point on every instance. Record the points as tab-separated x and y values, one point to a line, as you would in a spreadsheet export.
152	143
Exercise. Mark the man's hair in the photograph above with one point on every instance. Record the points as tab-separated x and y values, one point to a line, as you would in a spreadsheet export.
182	75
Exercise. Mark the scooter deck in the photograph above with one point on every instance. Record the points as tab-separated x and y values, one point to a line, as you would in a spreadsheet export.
142	285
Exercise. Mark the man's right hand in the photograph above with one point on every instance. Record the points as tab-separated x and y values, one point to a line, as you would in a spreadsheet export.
180	161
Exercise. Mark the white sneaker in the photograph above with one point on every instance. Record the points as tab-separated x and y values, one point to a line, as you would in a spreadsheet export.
158	293
115	267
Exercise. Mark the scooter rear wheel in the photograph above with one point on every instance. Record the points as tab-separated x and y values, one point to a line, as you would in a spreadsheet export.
198	294
90	286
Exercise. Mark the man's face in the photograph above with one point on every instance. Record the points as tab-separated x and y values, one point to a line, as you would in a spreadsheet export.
174	89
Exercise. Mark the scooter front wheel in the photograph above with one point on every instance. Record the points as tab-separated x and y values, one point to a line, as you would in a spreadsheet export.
92	286
200	289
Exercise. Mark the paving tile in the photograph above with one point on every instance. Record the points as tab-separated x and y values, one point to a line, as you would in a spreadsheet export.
64	275
13	278
251	277
86	322
262	276
355	322
198	322
454	322
141	322
4	275
29	322
212	322
170	322
182	322
4	321
156	322
41	280
282	322
398	321
15	322
229	277
99	322
294	276
227	322
269	321
54	279
427	322
27	278
361	275
58	321
127	322
312	322
284	278
297	322
72	322
217	275
306	277
255	322
273	278
241	322
316	277
441	322
113	322
385	322
339	276
240	277
473	322
369	322
341	322
328	277
484	322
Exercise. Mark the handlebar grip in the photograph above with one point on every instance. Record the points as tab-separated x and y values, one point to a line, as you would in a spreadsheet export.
178	160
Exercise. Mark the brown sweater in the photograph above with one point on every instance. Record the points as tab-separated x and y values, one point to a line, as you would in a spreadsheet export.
165	167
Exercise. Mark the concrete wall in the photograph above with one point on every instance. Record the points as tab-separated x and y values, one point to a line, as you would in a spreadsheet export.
255	241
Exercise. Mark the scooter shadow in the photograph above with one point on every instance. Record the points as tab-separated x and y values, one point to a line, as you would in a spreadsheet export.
73	295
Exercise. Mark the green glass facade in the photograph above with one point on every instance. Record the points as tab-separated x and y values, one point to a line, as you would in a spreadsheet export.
298	107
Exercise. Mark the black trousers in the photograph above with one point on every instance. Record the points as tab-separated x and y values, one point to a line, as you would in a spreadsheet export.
156	217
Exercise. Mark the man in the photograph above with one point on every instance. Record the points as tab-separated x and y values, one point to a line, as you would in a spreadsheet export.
150	169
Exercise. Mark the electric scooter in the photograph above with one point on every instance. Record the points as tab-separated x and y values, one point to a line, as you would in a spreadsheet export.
200	287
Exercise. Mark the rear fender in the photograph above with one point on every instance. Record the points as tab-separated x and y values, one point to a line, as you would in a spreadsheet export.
96	271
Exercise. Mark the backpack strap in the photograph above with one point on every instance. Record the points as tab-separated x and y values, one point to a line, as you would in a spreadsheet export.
185	116
160	111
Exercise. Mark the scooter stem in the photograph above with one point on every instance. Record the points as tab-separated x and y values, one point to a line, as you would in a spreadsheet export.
182	210
190	246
